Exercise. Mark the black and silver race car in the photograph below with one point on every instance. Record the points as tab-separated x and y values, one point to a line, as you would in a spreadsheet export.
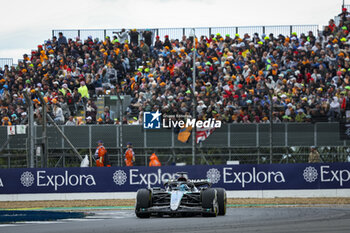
181	197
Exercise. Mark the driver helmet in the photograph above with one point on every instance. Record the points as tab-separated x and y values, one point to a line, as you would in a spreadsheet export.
183	187
182	178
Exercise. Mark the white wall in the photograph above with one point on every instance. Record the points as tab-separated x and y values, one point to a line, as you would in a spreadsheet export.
303	193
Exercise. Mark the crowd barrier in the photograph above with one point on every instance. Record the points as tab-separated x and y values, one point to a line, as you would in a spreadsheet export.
228	136
177	33
130	179
6	61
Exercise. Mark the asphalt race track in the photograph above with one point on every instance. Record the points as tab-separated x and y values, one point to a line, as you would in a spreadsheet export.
283	219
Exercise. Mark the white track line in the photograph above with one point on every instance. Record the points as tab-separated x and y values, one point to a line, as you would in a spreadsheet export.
96	217
7	225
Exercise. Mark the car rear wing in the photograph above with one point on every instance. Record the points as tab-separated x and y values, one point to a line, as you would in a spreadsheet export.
200	183
191	183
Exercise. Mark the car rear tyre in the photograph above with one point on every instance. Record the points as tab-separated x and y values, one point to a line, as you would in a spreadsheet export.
210	202
222	200
143	201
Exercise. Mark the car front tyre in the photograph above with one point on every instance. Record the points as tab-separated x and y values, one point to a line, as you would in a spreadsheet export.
210	202
143	201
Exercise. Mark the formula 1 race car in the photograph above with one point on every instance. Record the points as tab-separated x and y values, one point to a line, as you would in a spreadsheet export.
181	197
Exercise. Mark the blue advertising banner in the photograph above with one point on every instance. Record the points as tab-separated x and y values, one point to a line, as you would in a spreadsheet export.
128	179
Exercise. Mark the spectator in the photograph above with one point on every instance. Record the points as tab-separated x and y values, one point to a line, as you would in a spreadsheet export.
331	25
144	48
147	35
134	37
106	113
302	72
89	120
64	90
70	103
91	110
123	36
98	85
80	121
100	121
24	118
334	109
83	91
158	44
71	121
314	156
108	121
62	40
344	14
57	112
116	121
14	119
300	116
77	100
167	42
64	106
6	121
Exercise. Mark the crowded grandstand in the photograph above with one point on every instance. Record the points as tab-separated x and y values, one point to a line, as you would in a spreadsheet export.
307	77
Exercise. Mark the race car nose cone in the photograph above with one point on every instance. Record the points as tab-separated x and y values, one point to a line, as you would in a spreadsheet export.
175	199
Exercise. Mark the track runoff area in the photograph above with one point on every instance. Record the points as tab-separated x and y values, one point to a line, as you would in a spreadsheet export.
263	218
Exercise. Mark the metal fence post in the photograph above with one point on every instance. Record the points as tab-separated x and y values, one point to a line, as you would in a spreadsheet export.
90	139
79	33
258	142
64	152
291	29
286	135
229	140
90	145
8	144
118	145
121	116
183	31
263	28
104	33
257	135
236	30
209	32
64	160
315	134
30	129
145	145
62	139
172	139
44	141
229	136
53	33
37	165
157	32
8	161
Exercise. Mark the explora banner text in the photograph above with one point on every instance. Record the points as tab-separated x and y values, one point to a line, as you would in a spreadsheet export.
128	179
